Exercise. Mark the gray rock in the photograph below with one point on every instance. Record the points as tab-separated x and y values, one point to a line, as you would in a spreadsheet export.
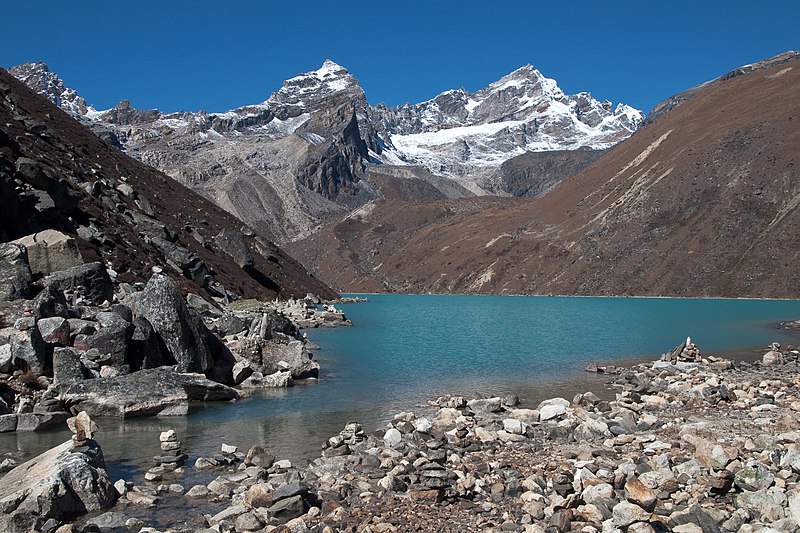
159	391
694	515
295	488
67	367
28	350
392	438
54	330
8	423
15	273
626	513
6	359
92	278
241	371
60	484
111	340
49	303
753	478
288	508
183	333
40	421
274	355
64	197
232	242
110	522
50	251
487	405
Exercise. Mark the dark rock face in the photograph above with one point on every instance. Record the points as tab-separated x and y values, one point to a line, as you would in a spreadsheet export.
183	333
61	485
340	165
15	273
64	197
49	303
111	340
232	243
534	174
147	350
91	277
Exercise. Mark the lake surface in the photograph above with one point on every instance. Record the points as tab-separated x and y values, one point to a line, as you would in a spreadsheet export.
404	350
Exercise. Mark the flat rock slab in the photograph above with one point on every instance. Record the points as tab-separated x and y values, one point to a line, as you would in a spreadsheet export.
157	391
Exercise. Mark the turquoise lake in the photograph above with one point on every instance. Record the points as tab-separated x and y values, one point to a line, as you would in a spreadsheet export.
403	350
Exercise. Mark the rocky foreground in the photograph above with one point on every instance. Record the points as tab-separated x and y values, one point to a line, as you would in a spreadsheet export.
690	444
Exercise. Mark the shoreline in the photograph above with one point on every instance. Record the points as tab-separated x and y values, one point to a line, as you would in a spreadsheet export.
661	453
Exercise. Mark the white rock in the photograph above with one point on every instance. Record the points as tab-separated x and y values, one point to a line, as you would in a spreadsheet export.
423	425
392	438
549	412
515	427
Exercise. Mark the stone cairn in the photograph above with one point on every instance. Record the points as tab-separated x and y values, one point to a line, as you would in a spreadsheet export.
686	352
171	458
83	429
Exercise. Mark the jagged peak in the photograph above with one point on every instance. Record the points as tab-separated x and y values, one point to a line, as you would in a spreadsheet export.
330	78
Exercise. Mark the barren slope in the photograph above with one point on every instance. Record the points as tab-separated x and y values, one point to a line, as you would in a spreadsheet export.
702	202
128	215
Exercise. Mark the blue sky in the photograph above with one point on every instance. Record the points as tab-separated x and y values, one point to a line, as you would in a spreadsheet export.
217	55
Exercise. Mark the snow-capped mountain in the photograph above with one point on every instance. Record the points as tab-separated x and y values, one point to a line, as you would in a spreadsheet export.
307	151
458	132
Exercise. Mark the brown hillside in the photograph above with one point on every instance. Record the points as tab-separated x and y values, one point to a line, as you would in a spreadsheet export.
115	193
702	202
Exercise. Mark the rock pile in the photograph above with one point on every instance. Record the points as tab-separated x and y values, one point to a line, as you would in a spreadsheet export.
85	344
169	460
700	445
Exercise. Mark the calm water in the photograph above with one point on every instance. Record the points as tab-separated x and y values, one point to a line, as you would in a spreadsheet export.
404	350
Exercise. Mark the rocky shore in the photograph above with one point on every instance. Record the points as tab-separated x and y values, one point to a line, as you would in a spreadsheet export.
689	444
73	339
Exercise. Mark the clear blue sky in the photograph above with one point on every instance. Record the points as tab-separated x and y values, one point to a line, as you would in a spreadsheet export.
217	55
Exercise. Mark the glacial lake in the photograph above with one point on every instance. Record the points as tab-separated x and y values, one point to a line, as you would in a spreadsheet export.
406	349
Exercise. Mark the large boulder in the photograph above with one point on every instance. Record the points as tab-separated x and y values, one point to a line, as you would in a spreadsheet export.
60	484
232	242
50	251
159	391
15	273
63	196
28	349
183	333
91	279
50	303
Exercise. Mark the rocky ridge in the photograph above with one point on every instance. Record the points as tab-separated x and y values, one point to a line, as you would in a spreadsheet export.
319	132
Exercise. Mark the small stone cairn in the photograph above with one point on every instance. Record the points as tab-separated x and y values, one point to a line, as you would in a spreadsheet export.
83	430
171	458
686	352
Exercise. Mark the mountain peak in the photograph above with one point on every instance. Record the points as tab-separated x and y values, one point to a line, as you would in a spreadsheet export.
38	76
312	86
